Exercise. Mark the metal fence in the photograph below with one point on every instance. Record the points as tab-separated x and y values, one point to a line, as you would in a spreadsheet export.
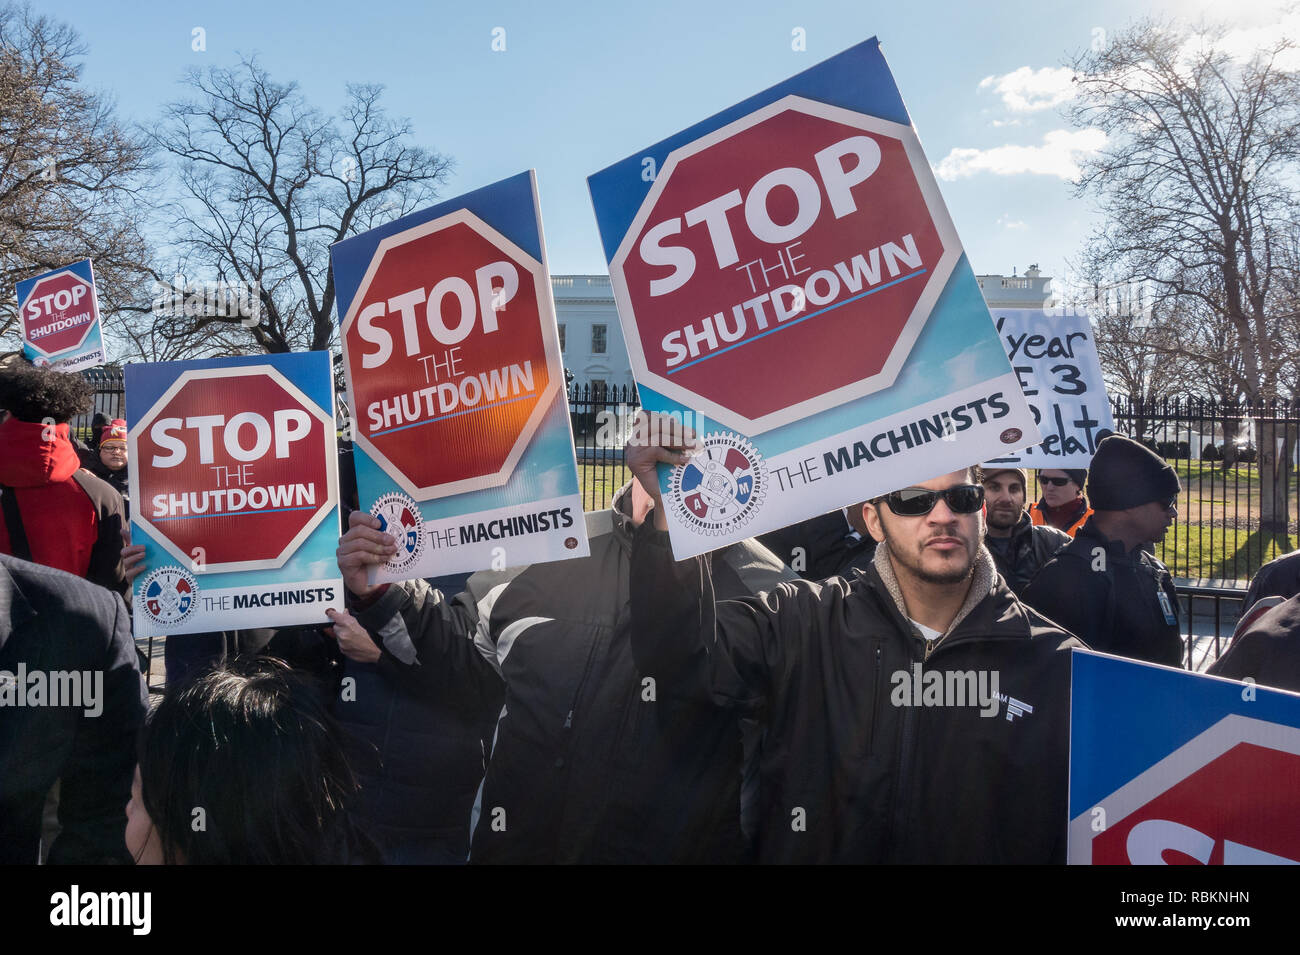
1237	465
602	420
1221	533
1220	539
109	399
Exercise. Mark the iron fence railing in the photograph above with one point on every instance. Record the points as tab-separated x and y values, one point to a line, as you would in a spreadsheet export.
1238	508
1237	464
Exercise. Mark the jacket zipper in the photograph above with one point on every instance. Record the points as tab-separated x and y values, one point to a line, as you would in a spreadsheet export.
899	796
875	703
566	740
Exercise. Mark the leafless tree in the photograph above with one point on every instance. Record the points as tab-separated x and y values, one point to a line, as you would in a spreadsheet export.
269	183
71	176
1196	187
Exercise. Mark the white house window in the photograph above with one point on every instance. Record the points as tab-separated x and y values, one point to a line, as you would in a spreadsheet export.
598	339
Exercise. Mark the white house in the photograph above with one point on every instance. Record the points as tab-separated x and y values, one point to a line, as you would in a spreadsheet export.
1031	290
591	338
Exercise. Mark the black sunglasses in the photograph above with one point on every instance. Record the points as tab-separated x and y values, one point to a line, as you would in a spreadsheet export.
915	501
1055	482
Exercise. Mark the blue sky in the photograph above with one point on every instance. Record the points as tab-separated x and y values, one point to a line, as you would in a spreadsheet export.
583	84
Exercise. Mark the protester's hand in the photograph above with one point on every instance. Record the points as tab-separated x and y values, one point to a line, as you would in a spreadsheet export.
132	560
655	438
352	637
363	546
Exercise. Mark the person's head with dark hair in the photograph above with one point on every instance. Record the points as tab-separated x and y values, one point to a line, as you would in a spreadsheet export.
242	765
36	394
97	425
934	529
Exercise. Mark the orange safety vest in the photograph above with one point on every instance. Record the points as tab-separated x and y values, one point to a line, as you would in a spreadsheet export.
1037	517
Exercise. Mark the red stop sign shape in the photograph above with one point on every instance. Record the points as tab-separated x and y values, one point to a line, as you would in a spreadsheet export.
1237	803
784	264
236	468
449	355
59	313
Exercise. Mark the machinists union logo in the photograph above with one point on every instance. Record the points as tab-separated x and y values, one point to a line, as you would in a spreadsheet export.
722	486
168	595
400	516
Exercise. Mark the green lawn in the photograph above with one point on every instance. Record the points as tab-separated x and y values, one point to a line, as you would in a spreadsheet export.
1218	552
599	481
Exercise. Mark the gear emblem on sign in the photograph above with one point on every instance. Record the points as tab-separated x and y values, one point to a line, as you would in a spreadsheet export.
721	487
400	516
169	595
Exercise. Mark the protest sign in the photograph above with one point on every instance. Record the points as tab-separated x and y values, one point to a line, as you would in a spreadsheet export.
234	492
60	318
791	285
456	386
1171	767
1054	355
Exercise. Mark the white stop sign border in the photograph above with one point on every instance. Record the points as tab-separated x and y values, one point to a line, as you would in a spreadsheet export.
1194	755
328	504
935	281
550	342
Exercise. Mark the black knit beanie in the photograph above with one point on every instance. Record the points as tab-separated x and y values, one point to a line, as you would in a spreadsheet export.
1126	474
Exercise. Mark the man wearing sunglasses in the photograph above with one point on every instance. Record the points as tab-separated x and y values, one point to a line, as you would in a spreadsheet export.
1019	546
1104	585
1062	505
858	764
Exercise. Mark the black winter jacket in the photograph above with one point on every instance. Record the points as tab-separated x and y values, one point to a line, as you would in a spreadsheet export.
1280	577
1028	549
1268	651
588	763
849	773
1111	599
418	722
821	547
50	623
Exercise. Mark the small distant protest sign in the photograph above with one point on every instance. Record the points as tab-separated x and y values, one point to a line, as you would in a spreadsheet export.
791	285
59	312
1054	354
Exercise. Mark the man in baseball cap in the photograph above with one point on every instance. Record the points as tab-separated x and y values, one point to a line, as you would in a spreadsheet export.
1018	545
1104	587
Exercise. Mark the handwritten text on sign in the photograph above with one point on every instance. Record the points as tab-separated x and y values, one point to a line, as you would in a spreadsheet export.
1055	359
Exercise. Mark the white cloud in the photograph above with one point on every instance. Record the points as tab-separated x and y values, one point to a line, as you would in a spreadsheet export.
1009	223
1057	156
999	123
1027	90
1243	42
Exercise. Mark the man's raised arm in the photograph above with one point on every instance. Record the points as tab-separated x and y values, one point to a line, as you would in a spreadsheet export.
694	646
426	641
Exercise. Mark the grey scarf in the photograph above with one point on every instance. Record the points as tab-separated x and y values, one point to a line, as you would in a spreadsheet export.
981	583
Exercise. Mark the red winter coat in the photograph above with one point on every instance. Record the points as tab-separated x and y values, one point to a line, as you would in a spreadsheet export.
72	521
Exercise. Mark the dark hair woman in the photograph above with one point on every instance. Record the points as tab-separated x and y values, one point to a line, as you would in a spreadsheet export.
243	765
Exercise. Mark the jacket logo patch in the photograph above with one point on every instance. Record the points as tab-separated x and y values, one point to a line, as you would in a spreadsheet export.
1015	707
